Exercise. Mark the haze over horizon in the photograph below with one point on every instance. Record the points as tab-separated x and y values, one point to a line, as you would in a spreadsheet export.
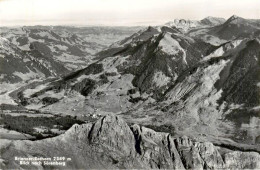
119	13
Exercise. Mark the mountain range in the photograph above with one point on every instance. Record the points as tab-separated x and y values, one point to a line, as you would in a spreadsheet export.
195	82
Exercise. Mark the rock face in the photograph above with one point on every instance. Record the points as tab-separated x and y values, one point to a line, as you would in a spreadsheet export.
111	143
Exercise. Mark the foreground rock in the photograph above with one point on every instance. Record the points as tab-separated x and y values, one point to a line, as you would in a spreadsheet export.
111	143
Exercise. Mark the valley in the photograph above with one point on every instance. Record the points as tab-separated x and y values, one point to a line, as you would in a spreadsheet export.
185	84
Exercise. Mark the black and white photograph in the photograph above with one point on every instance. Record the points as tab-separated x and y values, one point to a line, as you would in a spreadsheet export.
129	84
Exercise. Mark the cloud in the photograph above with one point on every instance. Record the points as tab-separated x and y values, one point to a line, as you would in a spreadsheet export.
116	12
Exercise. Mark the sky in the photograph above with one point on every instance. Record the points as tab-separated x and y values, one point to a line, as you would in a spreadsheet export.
119	12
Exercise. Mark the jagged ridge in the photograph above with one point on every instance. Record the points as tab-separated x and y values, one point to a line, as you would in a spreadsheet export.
111	143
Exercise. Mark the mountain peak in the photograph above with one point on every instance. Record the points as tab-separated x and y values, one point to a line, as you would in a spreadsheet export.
213	18
212	21
183	24
210	17
234	18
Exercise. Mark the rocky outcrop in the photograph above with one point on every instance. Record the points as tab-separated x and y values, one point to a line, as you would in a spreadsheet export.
111	143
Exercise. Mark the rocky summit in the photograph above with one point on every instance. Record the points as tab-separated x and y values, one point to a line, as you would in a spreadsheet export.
111	143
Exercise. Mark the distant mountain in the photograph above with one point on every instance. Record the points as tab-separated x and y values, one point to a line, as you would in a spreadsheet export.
29	53
47	51
18	65
99	38
236	27
212	21
187	25
183	25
